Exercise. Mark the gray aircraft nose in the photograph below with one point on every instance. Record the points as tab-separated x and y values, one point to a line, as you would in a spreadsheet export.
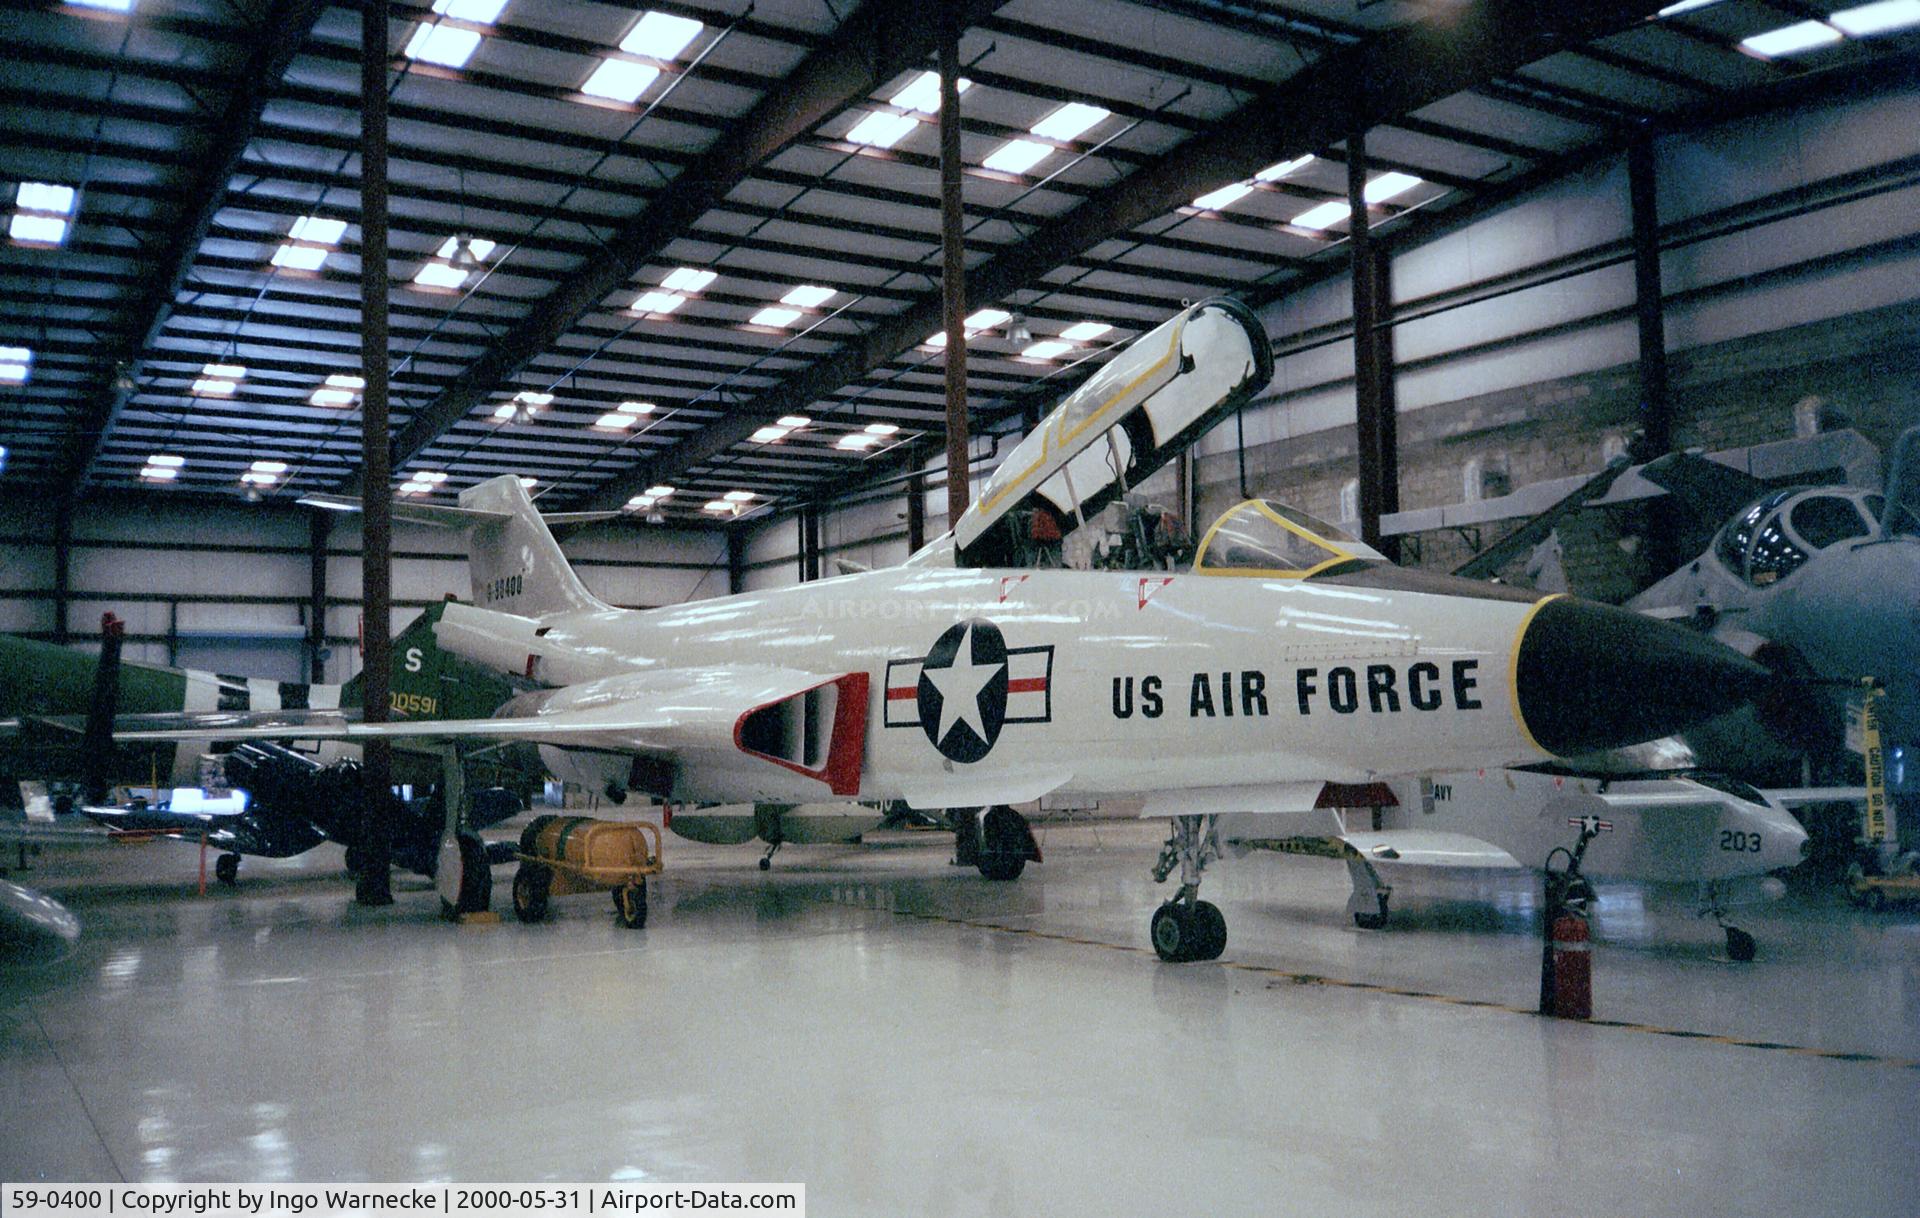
1590	677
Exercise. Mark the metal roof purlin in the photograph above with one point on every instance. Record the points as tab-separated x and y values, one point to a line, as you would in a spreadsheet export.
880	40
1346	90
280	36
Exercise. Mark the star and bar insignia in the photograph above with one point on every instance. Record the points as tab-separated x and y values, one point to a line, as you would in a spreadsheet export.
968	687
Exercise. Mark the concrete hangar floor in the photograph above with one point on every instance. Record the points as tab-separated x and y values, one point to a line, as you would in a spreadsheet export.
906	1038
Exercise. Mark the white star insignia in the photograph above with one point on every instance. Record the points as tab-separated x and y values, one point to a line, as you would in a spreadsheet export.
960	684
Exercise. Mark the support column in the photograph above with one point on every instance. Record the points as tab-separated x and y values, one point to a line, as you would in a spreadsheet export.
953	273
916	512
1656	410
373	885
809	543
62	568
319	527
1375	426
736	561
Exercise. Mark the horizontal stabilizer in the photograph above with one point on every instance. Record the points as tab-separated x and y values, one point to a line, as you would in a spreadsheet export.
446	516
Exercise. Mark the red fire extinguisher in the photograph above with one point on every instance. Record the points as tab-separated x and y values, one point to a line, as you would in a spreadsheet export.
1566	982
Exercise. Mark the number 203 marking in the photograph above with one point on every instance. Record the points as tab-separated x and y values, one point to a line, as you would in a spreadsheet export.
1738	842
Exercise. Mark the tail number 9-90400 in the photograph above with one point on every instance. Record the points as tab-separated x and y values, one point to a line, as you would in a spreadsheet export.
1739	842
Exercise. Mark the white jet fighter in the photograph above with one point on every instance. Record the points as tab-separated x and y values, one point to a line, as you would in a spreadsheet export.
1286	658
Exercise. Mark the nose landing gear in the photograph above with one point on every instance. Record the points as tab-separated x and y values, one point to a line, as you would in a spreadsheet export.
1186	928
1741	946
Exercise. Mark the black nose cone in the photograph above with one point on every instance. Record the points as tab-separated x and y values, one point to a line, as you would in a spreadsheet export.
1590	677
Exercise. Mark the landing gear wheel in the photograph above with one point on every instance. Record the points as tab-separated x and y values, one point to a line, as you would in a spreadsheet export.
1740	945
530	887
630	901
1372	921
356	860
1172	933
226	869
475	891
766	864
1210	931
1005	844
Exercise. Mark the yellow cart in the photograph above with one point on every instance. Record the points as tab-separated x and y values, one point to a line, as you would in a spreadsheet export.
560	855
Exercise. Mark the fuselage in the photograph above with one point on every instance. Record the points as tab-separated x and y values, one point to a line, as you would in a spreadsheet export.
1085	682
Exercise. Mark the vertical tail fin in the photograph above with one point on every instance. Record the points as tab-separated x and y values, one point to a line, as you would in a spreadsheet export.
516	564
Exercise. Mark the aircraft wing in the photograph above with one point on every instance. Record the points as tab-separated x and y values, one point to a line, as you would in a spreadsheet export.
1430	848
810	723
1714	491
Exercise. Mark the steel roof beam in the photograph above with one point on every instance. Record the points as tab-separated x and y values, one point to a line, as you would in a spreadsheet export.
880	40
1343	92
277	40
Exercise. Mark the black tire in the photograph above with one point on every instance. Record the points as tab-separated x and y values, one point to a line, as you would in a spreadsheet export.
1003	844
766	864
476	876
630	901
1371	921
1172	932
356	860
1740	945
530	887
226	869
1210	931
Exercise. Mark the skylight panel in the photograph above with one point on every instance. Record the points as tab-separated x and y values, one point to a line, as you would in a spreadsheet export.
45	197
110	6
857	440
450	46
637	408
1685	6
1280	169
1792	39
219	380
738	496
688	279
1226	196
1051	348
331	397
987	319
440	275
769	435
37	229
658	302
162	467
661	35
1069	122
15	364
423	482
1085	331
775	316
620	80
659	492
319	230
1389	186
882	429
615	421
342	380
479	247
300	257
639	503
809	296
1871	19
1326	215
480	12
719	507
793	422
530	398
923	93
882	129
1017	156
264	473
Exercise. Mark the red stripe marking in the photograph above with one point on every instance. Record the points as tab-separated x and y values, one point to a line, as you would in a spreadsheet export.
901	695
1027	685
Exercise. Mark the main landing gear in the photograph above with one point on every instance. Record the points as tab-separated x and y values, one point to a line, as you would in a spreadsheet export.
998	841
1368	904
1713	903
1187	928
226	869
